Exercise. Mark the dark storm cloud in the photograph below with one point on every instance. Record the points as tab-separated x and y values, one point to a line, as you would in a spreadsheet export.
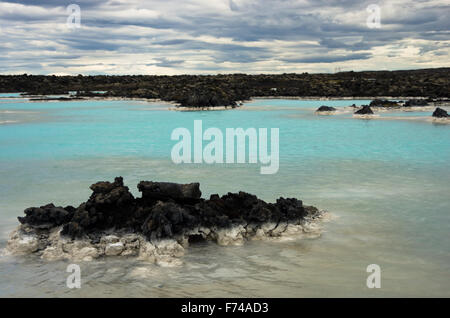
59	3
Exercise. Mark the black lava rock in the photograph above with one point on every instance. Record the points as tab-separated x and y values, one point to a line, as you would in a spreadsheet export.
46	216
416	102
164	211
365	110
383	103
324	108
153	191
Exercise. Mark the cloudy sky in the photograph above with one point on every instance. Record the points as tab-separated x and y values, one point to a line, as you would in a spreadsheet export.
221	36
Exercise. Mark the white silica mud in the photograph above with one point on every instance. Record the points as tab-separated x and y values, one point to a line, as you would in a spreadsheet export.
50	245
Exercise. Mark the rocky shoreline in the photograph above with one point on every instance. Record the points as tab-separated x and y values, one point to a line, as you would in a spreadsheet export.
228	89
379	103
156	227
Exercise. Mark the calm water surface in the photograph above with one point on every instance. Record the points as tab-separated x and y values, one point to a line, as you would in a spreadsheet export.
385	182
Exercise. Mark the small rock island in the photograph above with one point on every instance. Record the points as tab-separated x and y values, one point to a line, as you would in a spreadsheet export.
365	110
325	109
440	113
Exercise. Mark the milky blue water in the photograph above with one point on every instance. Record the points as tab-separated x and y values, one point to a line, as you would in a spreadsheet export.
385	181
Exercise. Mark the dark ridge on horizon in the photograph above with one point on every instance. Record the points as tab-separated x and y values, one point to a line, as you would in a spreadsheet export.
229	89
240	73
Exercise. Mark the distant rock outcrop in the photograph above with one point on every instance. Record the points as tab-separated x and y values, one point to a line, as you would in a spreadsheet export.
365	110
383	103
324	108
416	102
440	113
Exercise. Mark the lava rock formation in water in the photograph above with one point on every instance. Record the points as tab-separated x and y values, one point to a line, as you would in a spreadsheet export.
113	222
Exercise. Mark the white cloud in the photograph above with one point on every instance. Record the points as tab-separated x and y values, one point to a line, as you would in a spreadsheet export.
211	36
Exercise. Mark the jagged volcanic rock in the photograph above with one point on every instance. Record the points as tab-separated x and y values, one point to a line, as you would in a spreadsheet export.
168	209
110	205
47	216
440	113
167	212
163	191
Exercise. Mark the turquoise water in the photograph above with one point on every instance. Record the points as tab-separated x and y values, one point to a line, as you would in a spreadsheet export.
385	182
9	95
